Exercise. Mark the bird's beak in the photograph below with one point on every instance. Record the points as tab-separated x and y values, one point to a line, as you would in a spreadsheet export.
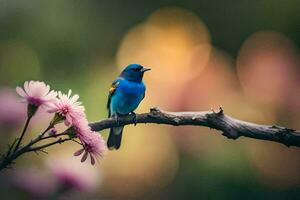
144	69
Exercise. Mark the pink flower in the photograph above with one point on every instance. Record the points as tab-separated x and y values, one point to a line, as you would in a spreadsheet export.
69	175
93	145
92	142
37	93
81	126
52	132
69	107
34	182
73	177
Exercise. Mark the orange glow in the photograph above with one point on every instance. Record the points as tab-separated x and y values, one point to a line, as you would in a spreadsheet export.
167	42
146	162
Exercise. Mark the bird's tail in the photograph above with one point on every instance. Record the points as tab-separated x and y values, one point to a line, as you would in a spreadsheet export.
114	138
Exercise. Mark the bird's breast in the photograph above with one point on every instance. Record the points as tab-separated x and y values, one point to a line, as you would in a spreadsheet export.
132	91
127	97
131	88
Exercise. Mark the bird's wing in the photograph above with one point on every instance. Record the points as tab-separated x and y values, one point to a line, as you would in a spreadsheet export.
144	93
112	90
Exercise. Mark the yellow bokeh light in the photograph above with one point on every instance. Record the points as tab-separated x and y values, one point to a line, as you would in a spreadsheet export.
147	161
165	43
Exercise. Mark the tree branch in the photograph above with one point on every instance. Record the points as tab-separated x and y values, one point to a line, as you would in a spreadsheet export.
10	156
231	128
23	133
39	148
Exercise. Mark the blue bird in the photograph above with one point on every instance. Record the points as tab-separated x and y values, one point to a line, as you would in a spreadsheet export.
125	94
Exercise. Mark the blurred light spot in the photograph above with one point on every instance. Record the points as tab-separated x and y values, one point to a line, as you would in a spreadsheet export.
267	68
167	43
146	162
12	111
69	172
33	182
217	85
275	165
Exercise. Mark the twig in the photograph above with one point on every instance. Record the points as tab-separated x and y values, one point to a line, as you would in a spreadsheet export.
42	147
231	128
23	133
53	136
10	147
8	159
40	136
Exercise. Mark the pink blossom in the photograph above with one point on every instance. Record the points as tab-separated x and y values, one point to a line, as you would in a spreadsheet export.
81	126
93	145
92	142
52	132
69	107
73	178
70	175
37	93
34	182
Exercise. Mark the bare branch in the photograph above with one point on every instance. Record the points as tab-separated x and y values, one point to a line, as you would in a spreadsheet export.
42	147
23	133
7	161
231	128
41	136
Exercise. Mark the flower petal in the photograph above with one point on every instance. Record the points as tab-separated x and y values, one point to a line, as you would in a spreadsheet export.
21	92
26	87
79	152
84	157
92	159
52	110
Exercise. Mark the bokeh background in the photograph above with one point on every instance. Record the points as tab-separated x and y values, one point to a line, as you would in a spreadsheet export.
243	55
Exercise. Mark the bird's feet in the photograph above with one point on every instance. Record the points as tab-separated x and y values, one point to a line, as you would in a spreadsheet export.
134	118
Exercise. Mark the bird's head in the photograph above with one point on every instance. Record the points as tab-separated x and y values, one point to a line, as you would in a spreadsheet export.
134	72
